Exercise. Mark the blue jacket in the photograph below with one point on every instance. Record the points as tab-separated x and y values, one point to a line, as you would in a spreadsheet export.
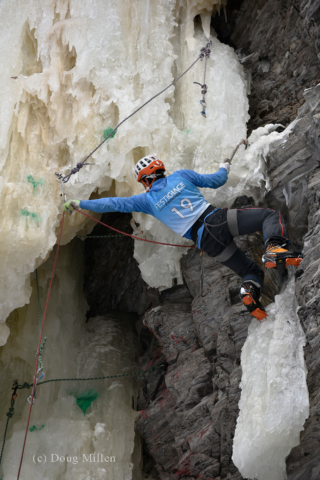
140	203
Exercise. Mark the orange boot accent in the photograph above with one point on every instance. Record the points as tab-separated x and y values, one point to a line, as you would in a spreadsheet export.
259	314
293	261
270	265
276	255
247	299
254	306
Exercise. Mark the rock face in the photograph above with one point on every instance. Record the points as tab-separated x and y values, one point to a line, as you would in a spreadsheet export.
188	429
304	461
278	42
112	276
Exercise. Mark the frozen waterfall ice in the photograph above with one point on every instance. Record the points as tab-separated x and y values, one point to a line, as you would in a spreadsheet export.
274	401
71	69
70	420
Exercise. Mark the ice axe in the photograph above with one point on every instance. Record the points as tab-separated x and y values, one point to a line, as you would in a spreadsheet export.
243	142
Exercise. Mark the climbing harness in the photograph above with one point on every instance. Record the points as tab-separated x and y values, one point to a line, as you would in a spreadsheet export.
205	54
228	251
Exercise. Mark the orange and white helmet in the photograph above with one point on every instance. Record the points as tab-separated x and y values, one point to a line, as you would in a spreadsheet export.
147	167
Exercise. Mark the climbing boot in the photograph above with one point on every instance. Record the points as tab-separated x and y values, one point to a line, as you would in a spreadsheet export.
278	256
249	294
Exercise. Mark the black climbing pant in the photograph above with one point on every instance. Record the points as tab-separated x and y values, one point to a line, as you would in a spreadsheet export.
217	236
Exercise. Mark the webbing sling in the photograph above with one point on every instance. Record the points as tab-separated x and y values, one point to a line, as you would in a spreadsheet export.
232	220
227	252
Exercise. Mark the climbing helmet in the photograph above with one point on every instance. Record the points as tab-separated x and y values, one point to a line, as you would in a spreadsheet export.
147	166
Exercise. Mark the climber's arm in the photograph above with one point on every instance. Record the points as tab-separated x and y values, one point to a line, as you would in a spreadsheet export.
136	203
210	180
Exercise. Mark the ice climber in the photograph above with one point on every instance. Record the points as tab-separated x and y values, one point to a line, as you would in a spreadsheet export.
176	201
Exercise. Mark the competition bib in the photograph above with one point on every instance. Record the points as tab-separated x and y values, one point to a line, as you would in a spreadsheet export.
178	205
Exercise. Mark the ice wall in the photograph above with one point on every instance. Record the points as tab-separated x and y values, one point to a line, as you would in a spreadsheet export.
274	401
74	349
72	68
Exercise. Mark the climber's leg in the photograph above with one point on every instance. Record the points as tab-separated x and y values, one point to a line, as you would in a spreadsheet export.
216	237
271	223
265	220
252	281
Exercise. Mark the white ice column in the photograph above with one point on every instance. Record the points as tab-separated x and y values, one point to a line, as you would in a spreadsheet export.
274	401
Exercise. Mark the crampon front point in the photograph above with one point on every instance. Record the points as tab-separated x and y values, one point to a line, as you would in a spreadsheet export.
272	260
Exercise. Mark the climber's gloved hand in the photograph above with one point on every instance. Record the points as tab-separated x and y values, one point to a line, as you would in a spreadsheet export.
71	205
226	165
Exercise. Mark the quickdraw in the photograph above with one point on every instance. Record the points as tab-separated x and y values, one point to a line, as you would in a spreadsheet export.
204	53
32	397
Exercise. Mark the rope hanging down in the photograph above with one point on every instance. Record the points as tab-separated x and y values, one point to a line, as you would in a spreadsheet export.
204	52
39	347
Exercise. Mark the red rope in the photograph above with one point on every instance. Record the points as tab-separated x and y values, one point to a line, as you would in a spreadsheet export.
36	369
46	307
133	236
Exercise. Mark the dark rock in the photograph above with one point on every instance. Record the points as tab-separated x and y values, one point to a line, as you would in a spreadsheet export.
112	277
304	460
203	378
173	327
204	373
243	201
290	168
278	43
177	294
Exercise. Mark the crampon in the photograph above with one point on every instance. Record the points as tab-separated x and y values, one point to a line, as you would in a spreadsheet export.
249	295
278	257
